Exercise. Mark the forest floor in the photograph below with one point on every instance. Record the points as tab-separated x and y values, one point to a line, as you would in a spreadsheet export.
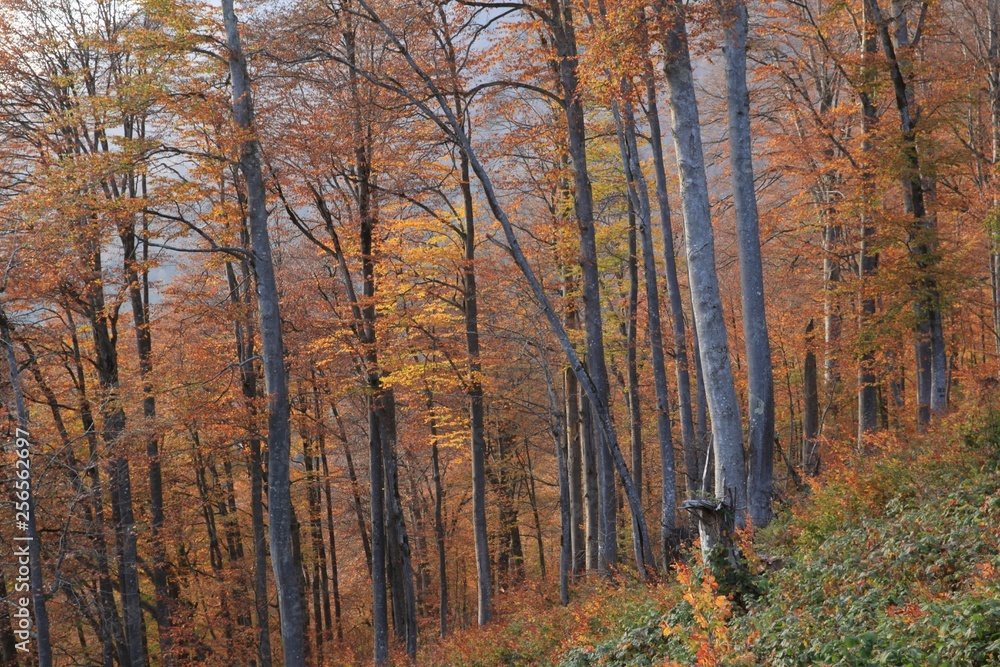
890	558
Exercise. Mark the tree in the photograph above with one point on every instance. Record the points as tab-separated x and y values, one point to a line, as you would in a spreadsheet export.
279	507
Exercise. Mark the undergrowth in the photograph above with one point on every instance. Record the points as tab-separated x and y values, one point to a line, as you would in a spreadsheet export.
892	557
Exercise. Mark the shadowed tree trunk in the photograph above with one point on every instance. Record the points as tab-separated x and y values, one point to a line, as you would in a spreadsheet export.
868	259
810	412
439	529
590	492
631	363
475	390
932	380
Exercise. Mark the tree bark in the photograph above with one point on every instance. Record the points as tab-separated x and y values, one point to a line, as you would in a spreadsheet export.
475	391
138	293
248	385
690	440
278	437
868	259
631	345
760	433
932	372
590	490
439	529
810	412
723	406
639	195
25	493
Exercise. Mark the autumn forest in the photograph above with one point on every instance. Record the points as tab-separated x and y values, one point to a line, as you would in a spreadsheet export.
347	332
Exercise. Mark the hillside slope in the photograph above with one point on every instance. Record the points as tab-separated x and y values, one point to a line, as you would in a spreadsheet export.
894	559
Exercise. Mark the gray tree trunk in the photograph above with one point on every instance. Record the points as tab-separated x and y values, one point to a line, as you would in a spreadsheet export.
810	399
932	371
25	494
689	438
723	405
139	297
868	259
475	390
590	490
639	194
631	361
439	530
760	433
564	36
272	352
574	463
248	386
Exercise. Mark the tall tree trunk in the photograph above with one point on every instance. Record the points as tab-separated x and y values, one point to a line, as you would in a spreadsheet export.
571	398
533	501
639	193
690	440
328	496
631	345
279	504
868	259
760	433
322	616
706	460
932	372
574	463
439	529
25	497
248	385
590	491
723	405
139	297
566	563
810	412
993	69
475	390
